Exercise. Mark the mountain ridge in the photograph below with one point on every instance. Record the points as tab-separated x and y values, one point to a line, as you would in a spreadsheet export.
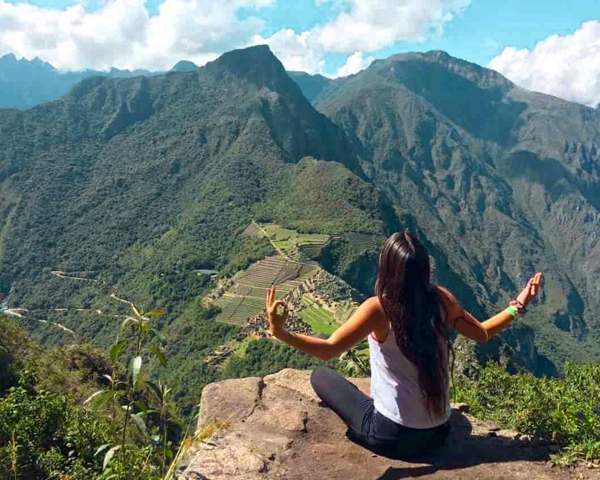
28	83
439	137
151	178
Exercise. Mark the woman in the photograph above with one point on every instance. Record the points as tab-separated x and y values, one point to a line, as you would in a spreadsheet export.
407	327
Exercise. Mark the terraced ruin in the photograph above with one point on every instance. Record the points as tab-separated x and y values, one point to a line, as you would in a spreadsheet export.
318	299
359	241
245	297
303	247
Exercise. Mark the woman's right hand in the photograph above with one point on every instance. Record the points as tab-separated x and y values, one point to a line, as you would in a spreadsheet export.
531	290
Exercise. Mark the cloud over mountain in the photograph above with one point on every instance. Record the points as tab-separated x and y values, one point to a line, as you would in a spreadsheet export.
362	26
369	25
124	34
565	66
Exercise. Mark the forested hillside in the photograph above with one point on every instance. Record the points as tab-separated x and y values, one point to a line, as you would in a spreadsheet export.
141	189
129	189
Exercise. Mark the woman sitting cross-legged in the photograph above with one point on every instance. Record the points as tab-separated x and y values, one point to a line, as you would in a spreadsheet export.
406	323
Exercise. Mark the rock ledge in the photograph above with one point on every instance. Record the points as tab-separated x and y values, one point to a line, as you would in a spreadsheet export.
277	428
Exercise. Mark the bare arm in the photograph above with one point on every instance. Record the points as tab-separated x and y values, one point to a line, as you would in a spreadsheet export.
466	324
360	325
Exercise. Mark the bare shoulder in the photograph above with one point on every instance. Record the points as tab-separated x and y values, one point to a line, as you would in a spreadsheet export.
373	308
373	304
450	304
445	295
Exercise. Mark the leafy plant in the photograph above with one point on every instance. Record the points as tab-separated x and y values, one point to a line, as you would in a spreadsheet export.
565	410
125	392
355	362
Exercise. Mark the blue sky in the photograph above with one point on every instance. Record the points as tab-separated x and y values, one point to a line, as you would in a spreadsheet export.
331	37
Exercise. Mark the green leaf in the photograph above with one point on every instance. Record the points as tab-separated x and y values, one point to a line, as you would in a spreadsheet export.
169	453
159	335
109	455
147	413
158	354
116	350
176	421
110	379
104	398
155	313
155	388
101	448
135	364
139	422
141	405
89	399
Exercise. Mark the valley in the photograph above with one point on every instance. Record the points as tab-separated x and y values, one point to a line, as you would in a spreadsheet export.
194	191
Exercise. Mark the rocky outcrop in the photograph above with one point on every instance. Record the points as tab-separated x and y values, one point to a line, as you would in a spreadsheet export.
276	427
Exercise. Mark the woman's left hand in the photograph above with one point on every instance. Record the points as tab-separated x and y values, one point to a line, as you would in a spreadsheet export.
276	320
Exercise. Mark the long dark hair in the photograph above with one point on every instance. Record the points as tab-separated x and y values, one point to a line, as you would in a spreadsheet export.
412	304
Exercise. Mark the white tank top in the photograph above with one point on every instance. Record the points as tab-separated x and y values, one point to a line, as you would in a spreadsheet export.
395	386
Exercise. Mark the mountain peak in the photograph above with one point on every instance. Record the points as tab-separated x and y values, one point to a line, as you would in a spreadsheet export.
256	63
184	66
10	57
435	62
13	61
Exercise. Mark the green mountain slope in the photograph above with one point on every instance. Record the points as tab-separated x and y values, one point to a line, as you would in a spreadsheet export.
129	188
502	181
138	182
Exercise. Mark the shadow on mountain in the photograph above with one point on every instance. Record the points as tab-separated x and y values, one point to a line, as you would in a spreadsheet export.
484	112
466	447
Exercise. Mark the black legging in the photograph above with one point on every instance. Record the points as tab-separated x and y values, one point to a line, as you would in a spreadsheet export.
369	428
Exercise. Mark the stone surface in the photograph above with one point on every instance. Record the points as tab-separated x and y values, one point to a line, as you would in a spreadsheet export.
230	400
277	429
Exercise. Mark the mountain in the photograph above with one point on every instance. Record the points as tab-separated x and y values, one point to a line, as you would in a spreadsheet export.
502	181
26	83
184	66
141	188
311	85
125	188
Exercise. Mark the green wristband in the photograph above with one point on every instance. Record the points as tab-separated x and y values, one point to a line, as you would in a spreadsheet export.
513	311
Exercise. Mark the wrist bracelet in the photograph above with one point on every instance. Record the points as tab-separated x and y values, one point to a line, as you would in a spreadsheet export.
513	311
522	307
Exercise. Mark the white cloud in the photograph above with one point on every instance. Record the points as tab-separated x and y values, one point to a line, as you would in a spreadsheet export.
361	26
293	51
354	64
565	66
370	25
123	34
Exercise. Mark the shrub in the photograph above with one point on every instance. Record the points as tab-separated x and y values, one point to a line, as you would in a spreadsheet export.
562	410
44	434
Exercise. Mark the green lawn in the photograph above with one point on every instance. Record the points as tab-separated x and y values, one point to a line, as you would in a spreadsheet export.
284	239
317	321
320	319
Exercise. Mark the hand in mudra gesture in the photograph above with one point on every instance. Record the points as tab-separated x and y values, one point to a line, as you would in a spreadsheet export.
531	290
276	320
